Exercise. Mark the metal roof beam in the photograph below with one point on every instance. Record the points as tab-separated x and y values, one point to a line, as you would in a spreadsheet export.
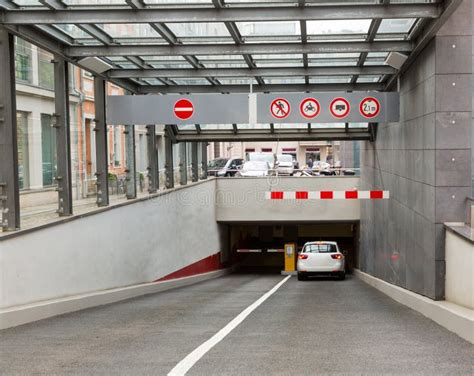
243	49
262	135
259	88
234	14
244	72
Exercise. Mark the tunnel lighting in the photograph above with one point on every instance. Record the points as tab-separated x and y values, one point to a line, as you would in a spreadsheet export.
95	64
396	59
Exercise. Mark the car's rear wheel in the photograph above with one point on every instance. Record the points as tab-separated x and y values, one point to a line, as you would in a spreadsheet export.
302	277
341	276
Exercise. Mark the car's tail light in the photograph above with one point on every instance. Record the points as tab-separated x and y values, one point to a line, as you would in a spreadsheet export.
302	256
337	256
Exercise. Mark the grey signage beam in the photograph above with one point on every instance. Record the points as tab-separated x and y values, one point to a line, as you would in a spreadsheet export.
131	174
236	14
9	182
321	107
194	162
61	122
152	152
183	164
101	143
169	167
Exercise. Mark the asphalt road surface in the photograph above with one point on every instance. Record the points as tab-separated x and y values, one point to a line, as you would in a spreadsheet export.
319	327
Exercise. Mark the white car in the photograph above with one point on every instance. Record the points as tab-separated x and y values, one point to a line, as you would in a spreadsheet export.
320	258
254	169
285	164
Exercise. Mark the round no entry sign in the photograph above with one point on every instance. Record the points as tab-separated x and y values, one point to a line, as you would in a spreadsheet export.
183	109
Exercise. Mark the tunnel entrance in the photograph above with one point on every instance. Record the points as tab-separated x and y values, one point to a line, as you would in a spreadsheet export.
260	247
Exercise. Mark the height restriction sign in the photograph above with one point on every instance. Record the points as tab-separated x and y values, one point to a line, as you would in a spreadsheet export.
309	108
369	107
280	108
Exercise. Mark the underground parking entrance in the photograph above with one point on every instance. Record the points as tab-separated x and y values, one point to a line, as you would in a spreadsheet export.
261	247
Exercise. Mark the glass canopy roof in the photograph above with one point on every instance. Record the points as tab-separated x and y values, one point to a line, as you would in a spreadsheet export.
173	46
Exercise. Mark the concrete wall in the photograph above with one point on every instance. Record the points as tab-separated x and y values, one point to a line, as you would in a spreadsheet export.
135	243
425	163
243	199
459	270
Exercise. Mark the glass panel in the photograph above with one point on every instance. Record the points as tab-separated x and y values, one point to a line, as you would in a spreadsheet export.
329	79
28	2
48	150
279	63
268	28
210	29
187	2
95	2
237	81
368	79
338	26
129	30
224	65
333	62
191	81
282	80
396	25
227	127
73	31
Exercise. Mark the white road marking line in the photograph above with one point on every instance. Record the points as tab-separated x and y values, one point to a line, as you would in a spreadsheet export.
192	358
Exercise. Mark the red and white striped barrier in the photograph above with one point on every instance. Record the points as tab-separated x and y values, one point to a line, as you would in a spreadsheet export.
327	195
249	251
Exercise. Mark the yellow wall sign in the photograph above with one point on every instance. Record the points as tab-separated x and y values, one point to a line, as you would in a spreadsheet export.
290	257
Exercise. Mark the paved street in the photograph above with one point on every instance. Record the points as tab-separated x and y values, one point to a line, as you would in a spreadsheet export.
304	328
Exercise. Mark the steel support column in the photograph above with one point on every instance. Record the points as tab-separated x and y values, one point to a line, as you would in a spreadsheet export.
9	184
101	143
131	177
183	164
152	151
169	168
194	162
61	122
204	160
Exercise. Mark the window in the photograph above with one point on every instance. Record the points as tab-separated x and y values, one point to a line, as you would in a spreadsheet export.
46	70
22	60
22	134
48	150
320	248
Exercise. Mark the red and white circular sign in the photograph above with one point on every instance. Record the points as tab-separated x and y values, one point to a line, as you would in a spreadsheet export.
339	107
183	109
310	108
369	107
280	108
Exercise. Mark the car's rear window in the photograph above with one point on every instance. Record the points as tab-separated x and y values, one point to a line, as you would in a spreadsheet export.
320	248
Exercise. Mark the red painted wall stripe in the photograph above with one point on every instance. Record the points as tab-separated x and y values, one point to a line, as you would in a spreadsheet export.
326	195
277	196
205	265
301	195
352	195
376	194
